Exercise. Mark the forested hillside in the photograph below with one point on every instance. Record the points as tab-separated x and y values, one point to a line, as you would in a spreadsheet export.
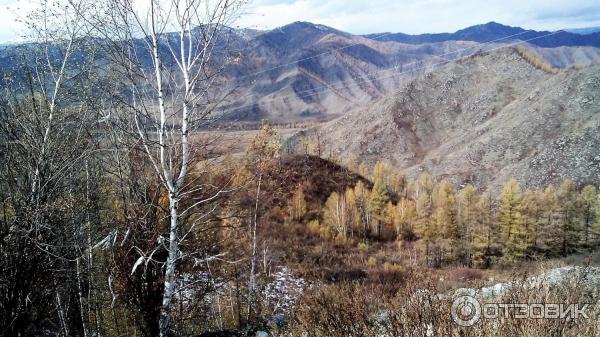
140	196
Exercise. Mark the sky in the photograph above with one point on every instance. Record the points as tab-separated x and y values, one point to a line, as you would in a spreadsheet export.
374	16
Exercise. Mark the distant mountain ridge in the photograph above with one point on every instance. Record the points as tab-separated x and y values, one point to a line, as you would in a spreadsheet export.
305	71
584	31
493	31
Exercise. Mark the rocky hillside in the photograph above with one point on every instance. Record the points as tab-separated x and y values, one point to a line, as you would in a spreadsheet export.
483	119
307	71
563	57
291	73
304	71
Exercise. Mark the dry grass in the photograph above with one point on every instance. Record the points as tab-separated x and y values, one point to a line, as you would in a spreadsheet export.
535	60
417	309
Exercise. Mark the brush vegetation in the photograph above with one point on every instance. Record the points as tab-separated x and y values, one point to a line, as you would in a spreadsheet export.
535	60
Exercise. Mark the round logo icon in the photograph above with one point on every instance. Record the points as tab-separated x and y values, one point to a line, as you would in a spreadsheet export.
466	311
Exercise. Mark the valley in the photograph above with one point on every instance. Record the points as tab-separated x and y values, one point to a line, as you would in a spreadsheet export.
165	173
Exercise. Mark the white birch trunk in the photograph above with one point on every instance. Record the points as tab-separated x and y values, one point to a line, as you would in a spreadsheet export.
252	281
80	293
169	284
175	94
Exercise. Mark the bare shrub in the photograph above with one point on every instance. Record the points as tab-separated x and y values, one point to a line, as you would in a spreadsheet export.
466	274
419	309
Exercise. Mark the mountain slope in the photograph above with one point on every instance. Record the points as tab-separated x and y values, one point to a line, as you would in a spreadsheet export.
305	71
483	120
564	57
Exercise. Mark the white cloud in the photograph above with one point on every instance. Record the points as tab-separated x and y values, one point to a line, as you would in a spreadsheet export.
422	16
11	12
373	16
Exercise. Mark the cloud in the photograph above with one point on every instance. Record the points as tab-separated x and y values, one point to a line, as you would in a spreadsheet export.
13	11
374	16
423	16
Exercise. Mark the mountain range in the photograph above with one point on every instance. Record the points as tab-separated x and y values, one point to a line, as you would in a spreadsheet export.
307	71
304	71
479	105
584	31
492	31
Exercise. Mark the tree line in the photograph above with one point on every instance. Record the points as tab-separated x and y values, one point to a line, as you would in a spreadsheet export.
467	226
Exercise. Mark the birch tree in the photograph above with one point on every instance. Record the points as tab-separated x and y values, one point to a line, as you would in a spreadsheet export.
334	214
262	156
164	51
298	204
46	128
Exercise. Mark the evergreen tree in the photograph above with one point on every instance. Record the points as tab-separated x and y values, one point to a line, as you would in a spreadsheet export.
445	211
425	226
589	209
485	234
446	223
379	193
362	196
569	227
517	245
549	224
391	219
533	215
467	219
424	212
379	196
514	235
510	208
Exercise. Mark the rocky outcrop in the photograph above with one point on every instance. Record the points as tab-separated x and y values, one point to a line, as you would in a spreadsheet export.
584	279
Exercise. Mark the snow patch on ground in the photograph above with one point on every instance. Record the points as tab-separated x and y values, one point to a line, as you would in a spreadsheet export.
281	294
